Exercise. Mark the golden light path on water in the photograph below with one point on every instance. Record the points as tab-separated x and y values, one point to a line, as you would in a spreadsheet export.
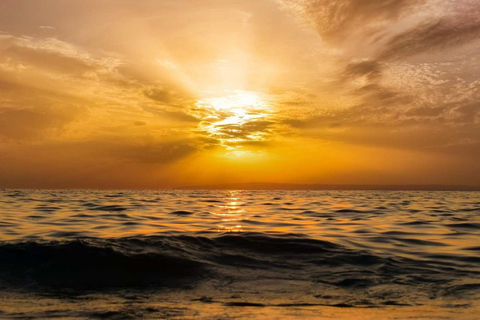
231	213
237	118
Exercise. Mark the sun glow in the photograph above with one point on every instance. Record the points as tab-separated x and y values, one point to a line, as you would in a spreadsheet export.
237	118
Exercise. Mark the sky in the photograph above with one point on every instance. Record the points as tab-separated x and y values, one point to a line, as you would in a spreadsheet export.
172	93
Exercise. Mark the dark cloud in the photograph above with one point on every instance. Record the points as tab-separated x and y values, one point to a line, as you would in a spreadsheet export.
369	68
127	150
159	95
394	113
170	94
21	123
178	116
366	21
443	34
155	152
336	19
245	130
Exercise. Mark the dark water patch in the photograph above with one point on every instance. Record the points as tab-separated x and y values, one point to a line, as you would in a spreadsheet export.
113	208
87	204
349	211
181	213
445	215
274	245
65	234
421	242
462	289
152	218
341	305
35	217
354	283
290	209
415	223
58	200
53	223
454	258
472	249
47	208
438	210
309	212
399	233
459	219
118	195
362	231
377	239
456	305
243	304
7	224
96	264
464	225
395	303
130	223
83	215
204	299
121	216
150	201
15	194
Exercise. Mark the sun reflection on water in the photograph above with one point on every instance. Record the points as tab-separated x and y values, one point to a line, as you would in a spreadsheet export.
231	214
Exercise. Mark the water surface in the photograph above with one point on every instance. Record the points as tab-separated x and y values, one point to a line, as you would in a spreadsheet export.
188	254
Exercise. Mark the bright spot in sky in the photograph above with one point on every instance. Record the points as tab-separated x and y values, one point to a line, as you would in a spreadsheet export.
235	118
238	100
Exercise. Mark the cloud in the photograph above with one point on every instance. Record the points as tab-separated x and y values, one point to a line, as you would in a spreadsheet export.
336	19
175	116
24	123
408	67
158	152
369	68
249	131
54	57
159	95
447	33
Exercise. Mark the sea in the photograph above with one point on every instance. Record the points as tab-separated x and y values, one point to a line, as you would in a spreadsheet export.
206	254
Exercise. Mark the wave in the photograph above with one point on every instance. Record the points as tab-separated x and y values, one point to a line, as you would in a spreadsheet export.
184	261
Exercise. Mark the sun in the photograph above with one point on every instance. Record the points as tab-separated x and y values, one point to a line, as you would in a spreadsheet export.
238	100
235	118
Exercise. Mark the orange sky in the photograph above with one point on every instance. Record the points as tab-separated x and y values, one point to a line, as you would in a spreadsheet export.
158	94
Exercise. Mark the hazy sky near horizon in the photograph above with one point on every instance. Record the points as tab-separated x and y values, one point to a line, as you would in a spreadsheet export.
165	93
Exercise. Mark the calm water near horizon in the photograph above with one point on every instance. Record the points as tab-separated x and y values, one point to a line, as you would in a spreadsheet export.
79	254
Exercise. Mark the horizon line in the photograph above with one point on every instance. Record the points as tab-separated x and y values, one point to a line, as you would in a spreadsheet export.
272	186
333	187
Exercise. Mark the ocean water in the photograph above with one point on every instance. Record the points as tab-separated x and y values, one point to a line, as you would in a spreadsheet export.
80	254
